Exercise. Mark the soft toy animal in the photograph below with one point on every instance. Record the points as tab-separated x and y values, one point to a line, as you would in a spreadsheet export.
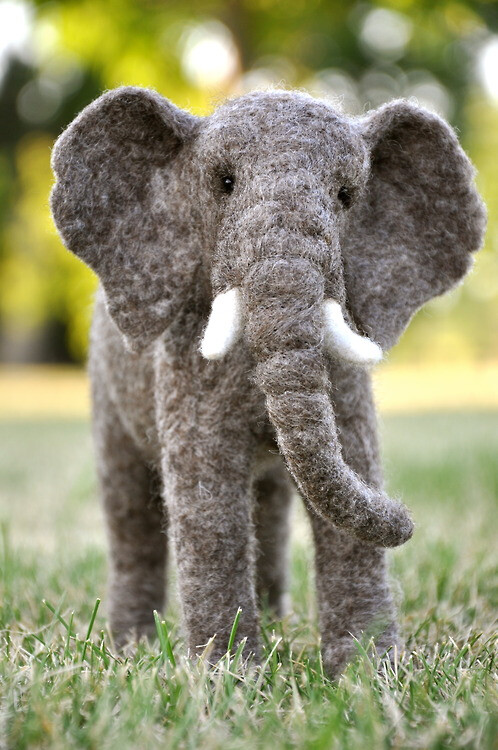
253	264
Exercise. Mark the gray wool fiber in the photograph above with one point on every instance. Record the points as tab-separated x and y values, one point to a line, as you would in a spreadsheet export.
288	201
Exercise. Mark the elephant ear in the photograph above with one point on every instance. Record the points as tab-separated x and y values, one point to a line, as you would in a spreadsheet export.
411	233
114	205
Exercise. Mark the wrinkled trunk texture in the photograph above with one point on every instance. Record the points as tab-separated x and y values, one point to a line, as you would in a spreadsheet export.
283	302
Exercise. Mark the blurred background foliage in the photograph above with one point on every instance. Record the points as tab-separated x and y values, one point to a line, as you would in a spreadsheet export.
55	57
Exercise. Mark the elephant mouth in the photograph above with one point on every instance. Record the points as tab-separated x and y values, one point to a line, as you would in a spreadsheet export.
226	323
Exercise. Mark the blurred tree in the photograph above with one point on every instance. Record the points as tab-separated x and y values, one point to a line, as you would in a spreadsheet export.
195	52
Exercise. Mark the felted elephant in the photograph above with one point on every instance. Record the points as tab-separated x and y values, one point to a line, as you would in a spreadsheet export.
253	265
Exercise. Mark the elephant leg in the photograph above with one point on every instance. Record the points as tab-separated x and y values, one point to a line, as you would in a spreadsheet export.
354	597
273	495
207	466
136	521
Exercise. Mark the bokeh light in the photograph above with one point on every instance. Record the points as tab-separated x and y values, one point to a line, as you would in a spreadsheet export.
488	67
385	32
16	19
209	56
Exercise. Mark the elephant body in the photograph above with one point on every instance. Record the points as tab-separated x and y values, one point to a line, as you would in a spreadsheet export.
140	415
253	265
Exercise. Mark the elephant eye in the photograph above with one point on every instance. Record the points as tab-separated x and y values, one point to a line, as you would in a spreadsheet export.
345	196
227	183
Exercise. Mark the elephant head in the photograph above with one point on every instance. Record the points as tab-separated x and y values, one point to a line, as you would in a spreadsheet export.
308	234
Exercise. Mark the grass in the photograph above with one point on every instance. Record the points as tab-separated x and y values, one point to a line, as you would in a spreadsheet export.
62	685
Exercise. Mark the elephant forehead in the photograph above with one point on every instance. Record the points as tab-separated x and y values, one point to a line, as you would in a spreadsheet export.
266	123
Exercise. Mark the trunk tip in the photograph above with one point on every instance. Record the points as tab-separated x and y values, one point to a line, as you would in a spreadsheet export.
393	530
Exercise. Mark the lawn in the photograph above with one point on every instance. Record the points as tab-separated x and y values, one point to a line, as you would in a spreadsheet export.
63	686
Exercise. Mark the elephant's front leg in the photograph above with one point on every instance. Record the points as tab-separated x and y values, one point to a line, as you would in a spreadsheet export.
354	597
207	477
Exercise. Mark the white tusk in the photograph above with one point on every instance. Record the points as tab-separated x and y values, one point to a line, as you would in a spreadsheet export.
341	341
224	325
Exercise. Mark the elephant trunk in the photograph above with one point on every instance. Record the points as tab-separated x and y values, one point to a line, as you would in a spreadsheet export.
284	309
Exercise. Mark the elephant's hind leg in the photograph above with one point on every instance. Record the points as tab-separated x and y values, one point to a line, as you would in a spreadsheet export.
133	507
272	495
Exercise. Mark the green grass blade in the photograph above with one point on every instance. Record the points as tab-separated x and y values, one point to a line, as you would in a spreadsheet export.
59	617
92	619
233	632
164	640
90	628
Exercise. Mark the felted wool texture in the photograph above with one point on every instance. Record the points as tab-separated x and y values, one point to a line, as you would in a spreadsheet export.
353	591
303	418
379	213
136	523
